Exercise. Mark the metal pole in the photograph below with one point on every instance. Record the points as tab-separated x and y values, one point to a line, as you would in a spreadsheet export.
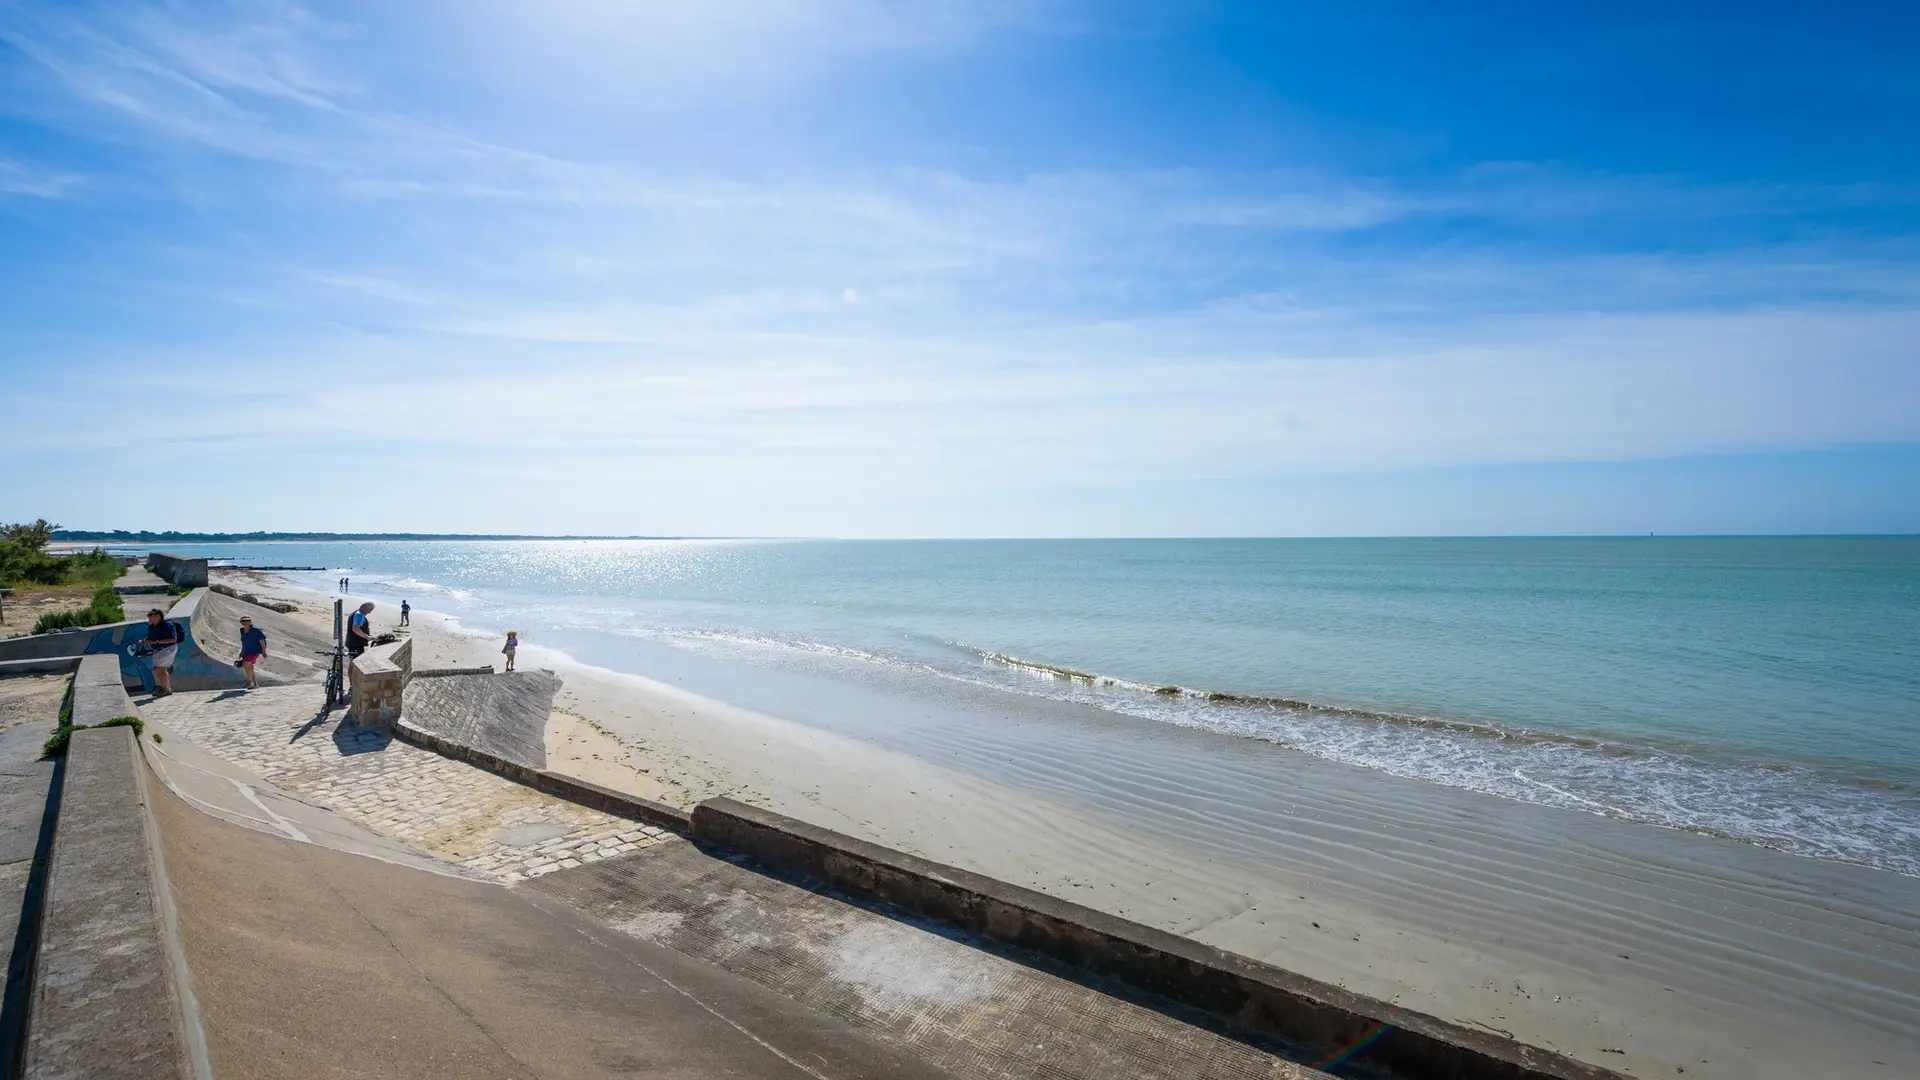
339	689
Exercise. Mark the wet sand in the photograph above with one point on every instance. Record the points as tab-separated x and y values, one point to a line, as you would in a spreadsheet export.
1650	951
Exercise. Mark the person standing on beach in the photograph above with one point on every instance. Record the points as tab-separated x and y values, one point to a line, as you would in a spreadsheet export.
165	644
406	613
512	645
359	630
253	646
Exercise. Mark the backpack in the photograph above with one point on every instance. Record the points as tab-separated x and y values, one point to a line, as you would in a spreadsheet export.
179	632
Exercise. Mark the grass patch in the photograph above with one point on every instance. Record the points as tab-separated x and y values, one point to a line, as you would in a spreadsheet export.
95	568
105	608
56	744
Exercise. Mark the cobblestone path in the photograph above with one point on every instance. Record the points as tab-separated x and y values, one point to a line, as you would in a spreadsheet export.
463	814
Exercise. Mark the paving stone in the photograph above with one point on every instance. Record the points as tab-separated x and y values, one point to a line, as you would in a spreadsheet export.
456	811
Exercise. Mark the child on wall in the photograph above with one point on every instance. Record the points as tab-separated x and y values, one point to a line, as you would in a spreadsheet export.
513	643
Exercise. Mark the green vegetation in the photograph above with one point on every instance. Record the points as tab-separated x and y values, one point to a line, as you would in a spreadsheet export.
104	609
23	557
24	561
56	743
95	568
122	536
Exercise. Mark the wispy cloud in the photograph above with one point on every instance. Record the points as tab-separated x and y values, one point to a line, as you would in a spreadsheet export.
17	178
371	264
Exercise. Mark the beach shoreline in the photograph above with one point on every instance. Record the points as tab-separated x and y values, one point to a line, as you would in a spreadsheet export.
1644	950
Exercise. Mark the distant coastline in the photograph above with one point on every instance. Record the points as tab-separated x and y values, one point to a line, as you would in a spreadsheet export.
122	536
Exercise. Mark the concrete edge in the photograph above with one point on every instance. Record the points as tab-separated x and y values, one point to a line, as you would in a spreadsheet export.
199	1064
572	789
1244	991
49	665
109	996
443	672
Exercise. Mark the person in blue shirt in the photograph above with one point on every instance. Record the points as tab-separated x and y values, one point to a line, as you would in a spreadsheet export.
253	646
359	630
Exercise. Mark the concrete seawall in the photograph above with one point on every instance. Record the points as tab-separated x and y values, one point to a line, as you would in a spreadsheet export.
179	570
1244	993
110	994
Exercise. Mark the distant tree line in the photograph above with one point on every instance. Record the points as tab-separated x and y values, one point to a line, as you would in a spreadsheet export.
170	536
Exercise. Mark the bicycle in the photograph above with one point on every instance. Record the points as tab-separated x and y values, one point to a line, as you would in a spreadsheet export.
336	676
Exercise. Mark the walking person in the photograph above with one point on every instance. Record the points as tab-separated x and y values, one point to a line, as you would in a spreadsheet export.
164	639
253	646
406	613
512	645
359	630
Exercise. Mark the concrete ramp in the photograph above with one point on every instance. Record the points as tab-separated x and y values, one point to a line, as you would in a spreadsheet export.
974	1010
295	650
501	715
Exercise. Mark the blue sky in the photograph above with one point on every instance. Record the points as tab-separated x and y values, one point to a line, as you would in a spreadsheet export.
861	268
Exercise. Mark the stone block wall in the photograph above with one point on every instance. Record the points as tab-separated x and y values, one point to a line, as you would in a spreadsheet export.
376	681
179	569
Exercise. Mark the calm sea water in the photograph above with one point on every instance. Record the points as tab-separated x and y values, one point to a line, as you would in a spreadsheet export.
1766	690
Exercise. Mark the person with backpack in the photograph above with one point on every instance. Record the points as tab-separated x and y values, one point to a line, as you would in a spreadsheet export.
359	630
406	613
163	637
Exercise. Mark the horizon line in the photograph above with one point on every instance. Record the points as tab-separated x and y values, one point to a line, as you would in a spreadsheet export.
124	536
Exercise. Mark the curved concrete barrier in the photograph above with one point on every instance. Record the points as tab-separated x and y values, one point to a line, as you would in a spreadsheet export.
193	669
295	651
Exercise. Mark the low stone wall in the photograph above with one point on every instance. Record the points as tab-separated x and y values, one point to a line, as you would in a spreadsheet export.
109	994
180	570
47	665
376	680
98	692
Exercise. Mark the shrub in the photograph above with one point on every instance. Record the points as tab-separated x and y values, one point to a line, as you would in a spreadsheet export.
105	608
95	568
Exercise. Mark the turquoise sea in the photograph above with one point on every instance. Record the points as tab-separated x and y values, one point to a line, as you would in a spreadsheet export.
1761	689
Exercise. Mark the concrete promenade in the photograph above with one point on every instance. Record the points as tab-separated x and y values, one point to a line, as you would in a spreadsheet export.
310	963
341	909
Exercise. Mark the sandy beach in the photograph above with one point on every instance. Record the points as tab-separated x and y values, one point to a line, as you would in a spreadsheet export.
1651	951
